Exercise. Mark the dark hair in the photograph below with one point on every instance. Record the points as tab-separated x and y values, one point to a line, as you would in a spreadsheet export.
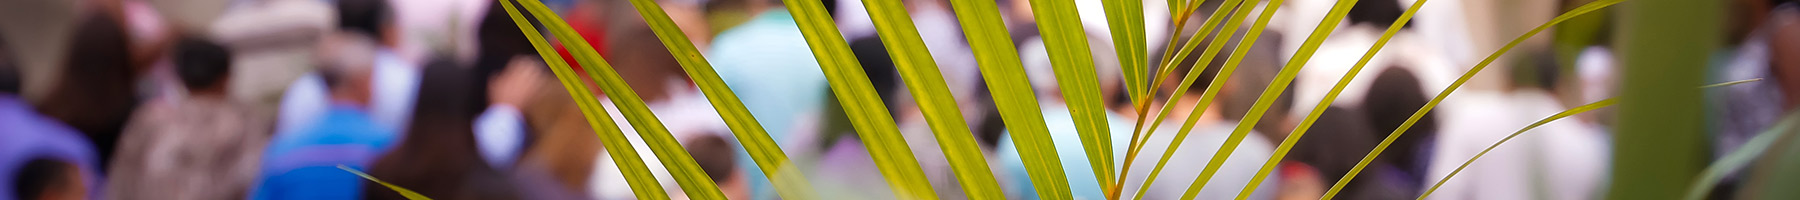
1379	13
1336	142
95	93
1393	97
439	157
715	156
879	67
499	40
9	71
38	175
365	16
201	63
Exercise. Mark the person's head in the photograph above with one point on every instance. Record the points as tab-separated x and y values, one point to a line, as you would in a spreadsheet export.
1254	74
879	67
47	179
1335	143
1784	51
718	158
346	64
1392	99
1377	13
204	66
372	17
643	62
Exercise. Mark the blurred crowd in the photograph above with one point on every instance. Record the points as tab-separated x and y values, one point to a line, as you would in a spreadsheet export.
279	99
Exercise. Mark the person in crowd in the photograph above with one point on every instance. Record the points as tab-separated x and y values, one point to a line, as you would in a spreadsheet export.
716	156
507	77
655	77
95	93
48	179
395	79
440	157
1335	143
560	144
204	146
304	164
1393	97
40	158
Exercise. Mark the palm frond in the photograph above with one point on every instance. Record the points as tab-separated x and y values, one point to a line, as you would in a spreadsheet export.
680	164
1066	41
923	79
1546	120
1006	81
860	102
643	184
755	140
1125	20
1589	7
1311	45
1330	96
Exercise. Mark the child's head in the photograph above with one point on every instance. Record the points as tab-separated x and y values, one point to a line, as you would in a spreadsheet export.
46	179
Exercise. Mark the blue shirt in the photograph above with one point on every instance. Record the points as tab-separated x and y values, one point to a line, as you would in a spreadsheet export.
303	164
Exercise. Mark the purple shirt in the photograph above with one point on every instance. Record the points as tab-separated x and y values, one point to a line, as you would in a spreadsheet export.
25	135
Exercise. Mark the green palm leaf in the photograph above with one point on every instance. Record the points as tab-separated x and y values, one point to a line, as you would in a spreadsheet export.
1125	19
859	101
1212	90
1319	109
1546	120
1282	79
409	194
926	83
1590	7
1066	41
1005	76
762	149
680	164
643	184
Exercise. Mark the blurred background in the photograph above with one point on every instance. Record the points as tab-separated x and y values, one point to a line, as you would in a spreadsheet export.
266	99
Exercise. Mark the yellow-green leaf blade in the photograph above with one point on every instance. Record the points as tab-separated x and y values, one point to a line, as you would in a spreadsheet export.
679	163
1311	45
859	101
409	194
1578	11
755	140
933	96
1212	90
1005	76
1125	20
1066	41
1541	122
1330	96
1731	162
637	175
